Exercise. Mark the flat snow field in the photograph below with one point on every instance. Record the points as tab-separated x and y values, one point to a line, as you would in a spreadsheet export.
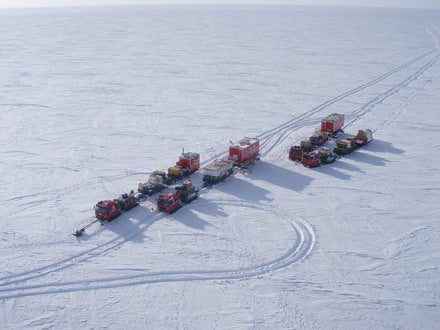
94	99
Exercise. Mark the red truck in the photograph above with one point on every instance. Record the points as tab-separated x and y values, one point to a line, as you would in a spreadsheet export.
333	124
311	159
169	202
317	158
245	151
107	210
296	151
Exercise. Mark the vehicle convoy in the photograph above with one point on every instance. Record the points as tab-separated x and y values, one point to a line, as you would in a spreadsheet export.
332	124
310	152
296	151
170	202
245	151
217	171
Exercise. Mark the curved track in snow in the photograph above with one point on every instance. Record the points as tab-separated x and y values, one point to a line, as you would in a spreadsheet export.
303	241
270	140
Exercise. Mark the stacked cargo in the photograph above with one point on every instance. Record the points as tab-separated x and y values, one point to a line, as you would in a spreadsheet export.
127	201
217	171
351	143
156	182
319	138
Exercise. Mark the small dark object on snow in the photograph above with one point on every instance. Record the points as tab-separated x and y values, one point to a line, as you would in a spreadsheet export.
79	232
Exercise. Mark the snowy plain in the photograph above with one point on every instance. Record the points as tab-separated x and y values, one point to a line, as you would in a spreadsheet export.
94	99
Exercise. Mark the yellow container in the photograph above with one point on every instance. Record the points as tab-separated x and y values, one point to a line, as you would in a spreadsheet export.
175	170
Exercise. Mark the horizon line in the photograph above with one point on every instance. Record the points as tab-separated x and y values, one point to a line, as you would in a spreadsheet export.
218	4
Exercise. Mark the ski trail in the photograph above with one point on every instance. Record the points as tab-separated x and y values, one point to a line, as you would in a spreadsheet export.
432	30
303	239
287	125
358	113
391	118
299	121
369	106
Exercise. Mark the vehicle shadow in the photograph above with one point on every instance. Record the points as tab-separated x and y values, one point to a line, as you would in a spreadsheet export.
383	146
129	225
369	159
331	169
281	177
335	168
244	189
191	219
208	207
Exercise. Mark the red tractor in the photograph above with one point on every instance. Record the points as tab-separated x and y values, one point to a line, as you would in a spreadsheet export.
169	202
296	151
107	210
311	159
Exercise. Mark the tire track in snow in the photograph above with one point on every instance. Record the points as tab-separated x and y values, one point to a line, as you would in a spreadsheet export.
284	130
299	120
303	243
432	30
369	106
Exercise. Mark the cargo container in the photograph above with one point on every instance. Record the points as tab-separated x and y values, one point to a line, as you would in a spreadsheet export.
333	123
189	160
245	151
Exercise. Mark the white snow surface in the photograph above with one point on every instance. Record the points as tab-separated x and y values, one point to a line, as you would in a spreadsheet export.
94	99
